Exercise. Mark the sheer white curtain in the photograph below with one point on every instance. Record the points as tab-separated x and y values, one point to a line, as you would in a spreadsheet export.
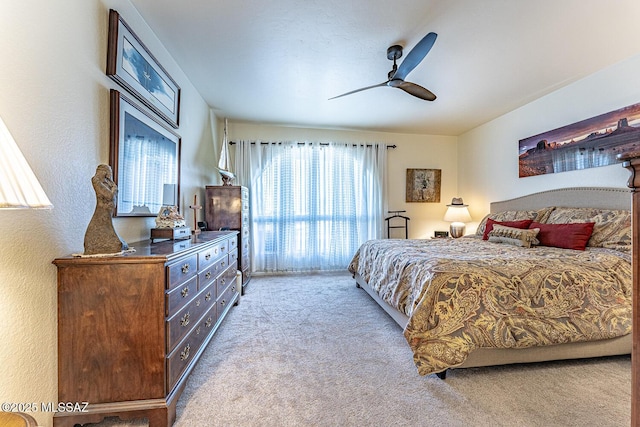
312	204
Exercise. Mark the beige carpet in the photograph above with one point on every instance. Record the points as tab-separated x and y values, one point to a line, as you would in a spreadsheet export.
317	351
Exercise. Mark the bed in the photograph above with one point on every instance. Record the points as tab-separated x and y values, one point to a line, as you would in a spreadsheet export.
488	299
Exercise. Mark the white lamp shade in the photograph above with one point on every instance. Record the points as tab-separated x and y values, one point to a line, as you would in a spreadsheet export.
169	195
19	187
457	214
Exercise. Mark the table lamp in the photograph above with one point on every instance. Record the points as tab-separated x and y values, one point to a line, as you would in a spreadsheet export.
19	187
457	214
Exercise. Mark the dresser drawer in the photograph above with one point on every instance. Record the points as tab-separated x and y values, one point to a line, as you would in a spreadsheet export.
182	355
245	261
208	276
246	275
208	321
218	267
225	280
224	247
233	258
180	296
227	296
233	244
182	270
182	322
208	257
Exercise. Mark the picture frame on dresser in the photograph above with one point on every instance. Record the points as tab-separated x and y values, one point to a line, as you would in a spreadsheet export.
144	155
132	65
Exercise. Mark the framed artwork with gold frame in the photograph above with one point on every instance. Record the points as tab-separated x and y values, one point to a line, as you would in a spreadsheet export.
423	185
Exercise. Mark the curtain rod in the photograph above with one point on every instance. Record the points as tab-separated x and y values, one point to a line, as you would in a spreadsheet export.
302	143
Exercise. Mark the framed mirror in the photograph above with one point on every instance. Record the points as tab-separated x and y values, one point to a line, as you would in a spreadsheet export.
145	158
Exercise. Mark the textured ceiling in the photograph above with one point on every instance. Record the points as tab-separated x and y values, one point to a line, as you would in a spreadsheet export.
278	62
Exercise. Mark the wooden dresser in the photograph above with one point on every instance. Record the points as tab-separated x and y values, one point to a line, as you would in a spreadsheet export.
131	328
227	207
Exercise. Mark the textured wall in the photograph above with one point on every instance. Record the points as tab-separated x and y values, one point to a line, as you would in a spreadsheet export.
488	155
55	101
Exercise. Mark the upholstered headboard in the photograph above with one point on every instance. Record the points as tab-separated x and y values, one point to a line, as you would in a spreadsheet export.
574	197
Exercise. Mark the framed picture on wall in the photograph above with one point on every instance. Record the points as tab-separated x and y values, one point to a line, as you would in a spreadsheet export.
131	64
589	143
423	185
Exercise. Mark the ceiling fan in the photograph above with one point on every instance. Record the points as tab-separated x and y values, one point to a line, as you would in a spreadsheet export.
397	74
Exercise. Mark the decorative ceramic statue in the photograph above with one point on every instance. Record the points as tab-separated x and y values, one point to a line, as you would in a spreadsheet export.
169	217
101	237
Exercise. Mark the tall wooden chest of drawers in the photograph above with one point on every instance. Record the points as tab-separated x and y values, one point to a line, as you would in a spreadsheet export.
227	207
131	328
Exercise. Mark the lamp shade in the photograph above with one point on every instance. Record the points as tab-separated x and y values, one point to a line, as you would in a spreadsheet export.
19	187
457	214
169	195
457	211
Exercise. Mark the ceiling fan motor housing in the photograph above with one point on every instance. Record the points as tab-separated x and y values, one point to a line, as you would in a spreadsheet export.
394	52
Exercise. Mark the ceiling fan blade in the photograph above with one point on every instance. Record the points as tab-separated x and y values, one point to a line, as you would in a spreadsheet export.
415	90
416	55
359	90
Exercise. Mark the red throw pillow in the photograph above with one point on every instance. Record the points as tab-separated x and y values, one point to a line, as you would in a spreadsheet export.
523	223
568	236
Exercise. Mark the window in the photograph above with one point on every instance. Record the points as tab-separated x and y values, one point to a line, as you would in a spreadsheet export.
312	204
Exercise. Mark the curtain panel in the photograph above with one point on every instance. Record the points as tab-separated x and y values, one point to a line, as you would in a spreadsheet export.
312	204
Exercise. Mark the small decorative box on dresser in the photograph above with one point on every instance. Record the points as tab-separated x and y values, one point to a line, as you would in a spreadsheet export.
227	207
131	328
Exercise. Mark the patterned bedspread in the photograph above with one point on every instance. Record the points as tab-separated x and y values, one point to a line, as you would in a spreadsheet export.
468	293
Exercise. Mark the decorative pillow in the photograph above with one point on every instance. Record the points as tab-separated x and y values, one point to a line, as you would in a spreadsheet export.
612	228
534	215
567	236
514	236
523	223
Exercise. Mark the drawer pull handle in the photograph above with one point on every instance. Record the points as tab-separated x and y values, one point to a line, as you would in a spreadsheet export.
185	292
208	275
198	330
233	288
184	354
184	321
223	280
222	263
207	256
198	303
223	303
185	269
222	248
207	297
208	322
